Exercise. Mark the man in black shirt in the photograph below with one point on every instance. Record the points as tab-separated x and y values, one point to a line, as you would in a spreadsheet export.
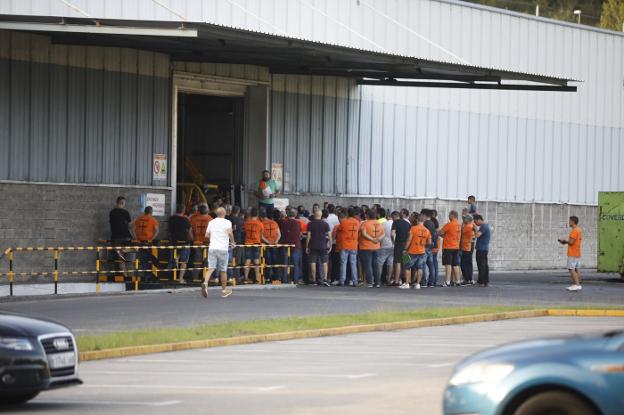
180	230
318	247
400	232
119	220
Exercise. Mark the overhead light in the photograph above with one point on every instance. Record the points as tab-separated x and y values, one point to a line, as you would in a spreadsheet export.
578	12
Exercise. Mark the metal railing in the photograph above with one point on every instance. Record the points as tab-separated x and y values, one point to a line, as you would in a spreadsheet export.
136	274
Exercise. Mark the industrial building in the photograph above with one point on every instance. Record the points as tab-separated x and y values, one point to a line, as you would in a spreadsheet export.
400	102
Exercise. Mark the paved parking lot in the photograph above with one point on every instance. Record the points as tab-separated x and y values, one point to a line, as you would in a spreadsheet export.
184	308
401	372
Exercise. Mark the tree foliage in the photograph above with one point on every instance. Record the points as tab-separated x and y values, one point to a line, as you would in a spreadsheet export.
608	14
612	16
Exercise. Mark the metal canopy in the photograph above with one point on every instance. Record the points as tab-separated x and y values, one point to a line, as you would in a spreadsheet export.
203	42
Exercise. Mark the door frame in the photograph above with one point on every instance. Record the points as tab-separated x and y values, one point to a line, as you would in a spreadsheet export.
187	82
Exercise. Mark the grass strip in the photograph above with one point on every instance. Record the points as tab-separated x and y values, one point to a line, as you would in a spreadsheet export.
241	328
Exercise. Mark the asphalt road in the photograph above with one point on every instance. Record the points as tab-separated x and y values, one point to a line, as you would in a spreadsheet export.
401	372
111	312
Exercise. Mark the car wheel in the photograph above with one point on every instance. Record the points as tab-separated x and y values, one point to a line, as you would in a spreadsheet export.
554	403
19	398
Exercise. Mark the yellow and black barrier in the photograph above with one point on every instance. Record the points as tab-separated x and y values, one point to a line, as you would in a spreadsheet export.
130	276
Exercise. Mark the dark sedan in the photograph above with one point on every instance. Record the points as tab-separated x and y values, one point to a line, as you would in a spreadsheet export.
35	355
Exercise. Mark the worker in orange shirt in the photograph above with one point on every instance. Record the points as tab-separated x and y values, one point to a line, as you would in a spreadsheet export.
271	236
451	233
146	229
347	236
467	247
371	234
417	241
437	244
253	236
575	238
199	225
338	238
303	221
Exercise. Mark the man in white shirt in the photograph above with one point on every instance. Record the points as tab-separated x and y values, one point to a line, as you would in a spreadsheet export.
332	219
334	256
221	238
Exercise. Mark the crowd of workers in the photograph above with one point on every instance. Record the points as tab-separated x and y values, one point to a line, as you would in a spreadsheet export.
331	245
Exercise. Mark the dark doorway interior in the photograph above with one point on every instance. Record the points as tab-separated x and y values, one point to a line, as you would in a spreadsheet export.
210	132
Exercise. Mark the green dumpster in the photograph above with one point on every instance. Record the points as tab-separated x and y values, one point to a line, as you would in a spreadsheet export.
611	232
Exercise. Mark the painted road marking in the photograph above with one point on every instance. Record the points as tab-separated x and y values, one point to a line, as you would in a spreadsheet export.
156	360
225	374
332	352
188	387
437	365
107	403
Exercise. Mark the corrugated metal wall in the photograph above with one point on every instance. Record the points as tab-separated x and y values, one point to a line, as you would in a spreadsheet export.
501	145
74	114
337	138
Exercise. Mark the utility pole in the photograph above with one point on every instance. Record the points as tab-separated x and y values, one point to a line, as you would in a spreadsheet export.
537	9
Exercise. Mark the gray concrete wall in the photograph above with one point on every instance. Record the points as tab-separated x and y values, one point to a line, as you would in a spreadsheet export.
524	235
62	215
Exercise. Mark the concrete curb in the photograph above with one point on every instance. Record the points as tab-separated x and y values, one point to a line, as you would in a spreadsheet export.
302	334
586	313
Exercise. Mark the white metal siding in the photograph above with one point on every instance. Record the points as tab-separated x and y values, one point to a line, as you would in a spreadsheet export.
520	146
382	147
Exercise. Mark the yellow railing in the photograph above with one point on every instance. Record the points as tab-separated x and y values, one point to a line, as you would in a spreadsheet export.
132	276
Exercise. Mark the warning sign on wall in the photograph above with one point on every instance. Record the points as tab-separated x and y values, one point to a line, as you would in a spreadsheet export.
277	170
159	167
156	201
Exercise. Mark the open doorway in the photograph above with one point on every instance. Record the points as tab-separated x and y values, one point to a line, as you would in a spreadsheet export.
209	148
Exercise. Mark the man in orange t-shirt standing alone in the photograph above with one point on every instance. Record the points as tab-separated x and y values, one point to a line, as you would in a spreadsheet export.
451	233
574	241
371	234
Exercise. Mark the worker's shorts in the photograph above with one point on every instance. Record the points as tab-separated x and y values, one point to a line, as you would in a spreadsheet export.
218	260
318	254
416	261
574	262
450	257
183	254
252	253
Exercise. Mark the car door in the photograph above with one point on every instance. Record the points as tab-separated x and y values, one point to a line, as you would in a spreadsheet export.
611	364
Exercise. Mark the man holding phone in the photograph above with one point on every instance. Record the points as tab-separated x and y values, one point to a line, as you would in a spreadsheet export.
574	253
265	192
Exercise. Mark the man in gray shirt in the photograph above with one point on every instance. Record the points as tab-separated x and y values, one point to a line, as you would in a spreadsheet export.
385	255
